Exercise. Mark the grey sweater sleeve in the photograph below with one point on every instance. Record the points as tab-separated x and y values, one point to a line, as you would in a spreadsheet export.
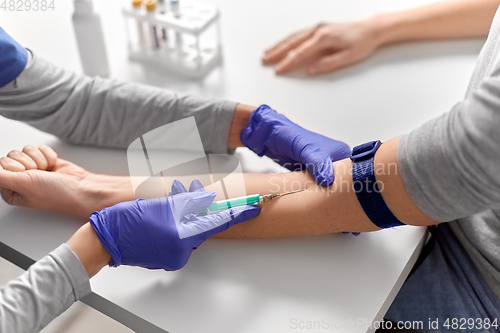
106	113
451	165
43	292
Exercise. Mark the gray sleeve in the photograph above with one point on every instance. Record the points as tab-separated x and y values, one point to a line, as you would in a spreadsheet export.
106	113
451	165
43	292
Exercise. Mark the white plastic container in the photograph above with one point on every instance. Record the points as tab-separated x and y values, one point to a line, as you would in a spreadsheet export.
90	39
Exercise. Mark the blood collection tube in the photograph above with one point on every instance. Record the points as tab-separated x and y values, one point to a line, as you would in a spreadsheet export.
174	5
162	6
151	8
140	29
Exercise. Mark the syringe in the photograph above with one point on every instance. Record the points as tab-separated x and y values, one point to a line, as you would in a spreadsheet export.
254	199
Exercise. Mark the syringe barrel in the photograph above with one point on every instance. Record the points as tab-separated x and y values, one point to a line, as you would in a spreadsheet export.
253	199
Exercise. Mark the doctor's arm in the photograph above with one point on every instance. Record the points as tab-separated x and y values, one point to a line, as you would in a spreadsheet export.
52	284
141	233
103	112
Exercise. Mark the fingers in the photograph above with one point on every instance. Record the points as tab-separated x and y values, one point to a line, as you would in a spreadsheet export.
177	187
43	158
219	222
330	63
10	164
22	158
299	55
280	50
354	233
322	171
50	156
210	225
196	186
37	156
190	203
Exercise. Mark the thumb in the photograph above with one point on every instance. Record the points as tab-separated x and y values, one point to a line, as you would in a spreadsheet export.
189	203
10	186
219	222
10	180
321	168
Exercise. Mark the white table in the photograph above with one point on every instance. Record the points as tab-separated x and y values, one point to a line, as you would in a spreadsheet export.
269	285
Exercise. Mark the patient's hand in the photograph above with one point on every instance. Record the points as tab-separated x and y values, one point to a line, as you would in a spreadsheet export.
36	178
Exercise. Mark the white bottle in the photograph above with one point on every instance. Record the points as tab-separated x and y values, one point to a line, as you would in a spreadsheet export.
90	39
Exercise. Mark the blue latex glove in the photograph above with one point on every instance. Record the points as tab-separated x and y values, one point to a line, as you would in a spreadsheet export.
274	135
162	233
13	60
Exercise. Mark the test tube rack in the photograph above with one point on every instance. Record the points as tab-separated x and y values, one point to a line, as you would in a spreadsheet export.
192	46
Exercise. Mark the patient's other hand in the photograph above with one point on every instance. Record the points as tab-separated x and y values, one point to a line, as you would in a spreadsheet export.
326	47
36	178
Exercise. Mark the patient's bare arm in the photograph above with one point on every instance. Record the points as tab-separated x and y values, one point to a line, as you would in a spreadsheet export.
321	210
318	210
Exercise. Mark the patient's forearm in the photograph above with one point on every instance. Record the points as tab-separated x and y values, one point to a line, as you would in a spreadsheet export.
316	211
298	214
320	210
442	19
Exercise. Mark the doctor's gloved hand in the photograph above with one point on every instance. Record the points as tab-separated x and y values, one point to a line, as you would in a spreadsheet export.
162	233
274	135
